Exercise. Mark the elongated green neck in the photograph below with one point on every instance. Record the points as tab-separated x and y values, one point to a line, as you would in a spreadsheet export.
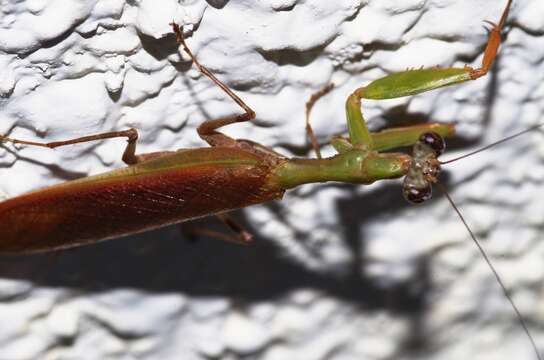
356	166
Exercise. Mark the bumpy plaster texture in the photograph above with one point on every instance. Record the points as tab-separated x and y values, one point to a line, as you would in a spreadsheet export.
337	271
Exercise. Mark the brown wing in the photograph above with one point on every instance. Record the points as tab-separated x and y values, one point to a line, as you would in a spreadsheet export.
110	205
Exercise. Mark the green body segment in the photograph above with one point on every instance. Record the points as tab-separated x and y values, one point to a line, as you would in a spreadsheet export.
180	160
357	129
407	136
397	137
413	82
355	166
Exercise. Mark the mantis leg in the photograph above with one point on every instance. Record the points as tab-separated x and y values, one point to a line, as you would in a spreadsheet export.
309	105
493	44
129	155
207	130
239	234
411	82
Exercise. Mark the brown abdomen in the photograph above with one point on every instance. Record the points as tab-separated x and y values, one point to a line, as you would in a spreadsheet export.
82	212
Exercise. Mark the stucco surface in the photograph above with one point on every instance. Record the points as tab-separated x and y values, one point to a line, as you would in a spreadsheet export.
337	271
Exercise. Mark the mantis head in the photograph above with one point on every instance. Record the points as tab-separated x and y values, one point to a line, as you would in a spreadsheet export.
424	168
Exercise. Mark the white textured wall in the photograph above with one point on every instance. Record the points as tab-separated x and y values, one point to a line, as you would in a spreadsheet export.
337	271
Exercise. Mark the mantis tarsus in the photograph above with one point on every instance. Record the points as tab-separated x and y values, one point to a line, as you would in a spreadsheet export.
359	136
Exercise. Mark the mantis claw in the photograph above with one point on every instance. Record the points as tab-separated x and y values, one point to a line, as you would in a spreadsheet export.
493	27
493	24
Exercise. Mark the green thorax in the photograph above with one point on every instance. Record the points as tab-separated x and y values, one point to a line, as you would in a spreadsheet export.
354	166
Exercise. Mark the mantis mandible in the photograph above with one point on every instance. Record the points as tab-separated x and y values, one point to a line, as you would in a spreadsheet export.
358	161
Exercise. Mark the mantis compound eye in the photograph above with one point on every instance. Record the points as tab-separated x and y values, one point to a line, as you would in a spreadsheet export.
416	195
434	141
